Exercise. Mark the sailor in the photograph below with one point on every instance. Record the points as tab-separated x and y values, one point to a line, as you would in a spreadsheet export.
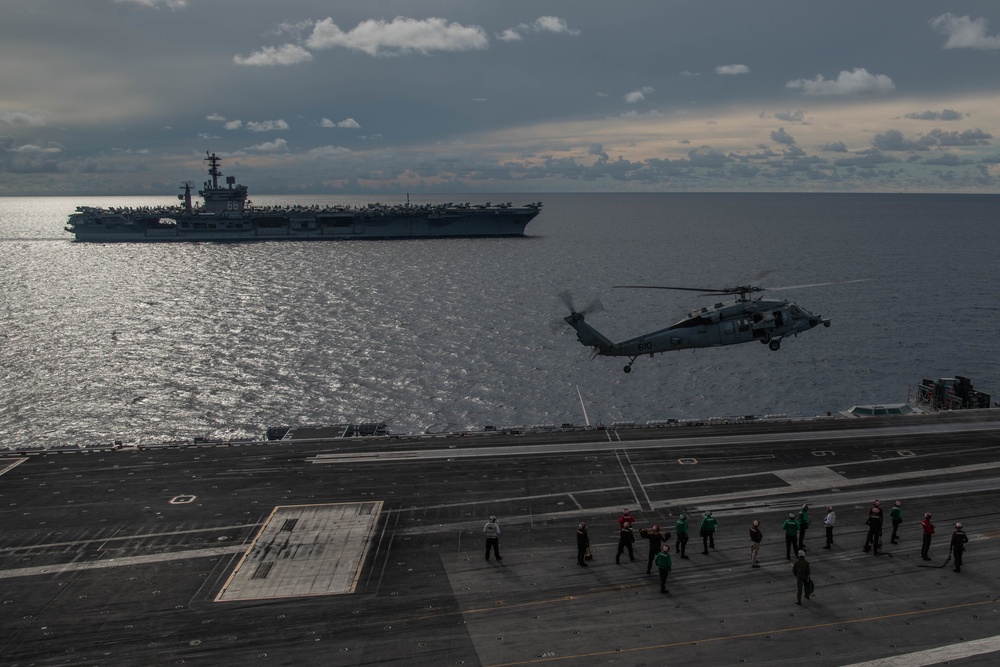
804	522
656	540
830	520
492	532
755	537
791	528
896	516
928	532
708	524
958	542
874	524
681	527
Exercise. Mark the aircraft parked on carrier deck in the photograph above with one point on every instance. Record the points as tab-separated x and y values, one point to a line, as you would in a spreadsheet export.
744	320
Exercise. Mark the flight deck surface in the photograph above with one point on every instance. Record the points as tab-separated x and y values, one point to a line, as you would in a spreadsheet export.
370	552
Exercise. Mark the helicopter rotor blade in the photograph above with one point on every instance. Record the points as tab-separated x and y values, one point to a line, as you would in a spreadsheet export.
837	282
685	289
594	306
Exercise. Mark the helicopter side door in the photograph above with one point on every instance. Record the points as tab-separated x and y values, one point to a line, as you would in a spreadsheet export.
737	330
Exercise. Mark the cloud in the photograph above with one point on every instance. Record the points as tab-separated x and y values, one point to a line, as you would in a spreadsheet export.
598	150
215	116
267	125
732	70
945	114
790	116
510	35
288	54
893	140
30	118
855	82
327	151
32	148
400	36
965	33
869	159
155	4
553	24
275	146
233	125
779	136
639	95
975	137
541	24
348	123
945	160
835	147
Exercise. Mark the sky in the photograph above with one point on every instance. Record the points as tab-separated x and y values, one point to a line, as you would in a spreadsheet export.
453	96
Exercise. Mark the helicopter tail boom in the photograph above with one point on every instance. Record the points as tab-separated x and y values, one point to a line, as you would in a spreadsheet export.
588	335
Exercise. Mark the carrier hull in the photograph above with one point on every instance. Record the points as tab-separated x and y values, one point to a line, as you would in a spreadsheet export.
225	214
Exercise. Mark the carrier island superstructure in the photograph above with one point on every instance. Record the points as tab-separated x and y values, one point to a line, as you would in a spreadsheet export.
227	215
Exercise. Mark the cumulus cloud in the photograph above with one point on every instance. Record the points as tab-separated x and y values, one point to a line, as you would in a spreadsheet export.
975	137
541	24
288	54
51	149
267	125
553	24
275	146
639	95
155	4
894	140
856	82
598	150
327	151
30	118
233	125
348	123
398	37
215	116
732	70
510	35
945	114
790	116
965	33
779	136
835	147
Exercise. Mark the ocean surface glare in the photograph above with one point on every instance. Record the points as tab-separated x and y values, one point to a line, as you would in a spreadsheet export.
162	342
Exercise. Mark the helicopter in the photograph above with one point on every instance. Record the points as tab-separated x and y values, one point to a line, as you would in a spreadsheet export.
743	320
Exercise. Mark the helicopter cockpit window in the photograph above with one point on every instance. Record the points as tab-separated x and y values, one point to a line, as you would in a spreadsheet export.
796	312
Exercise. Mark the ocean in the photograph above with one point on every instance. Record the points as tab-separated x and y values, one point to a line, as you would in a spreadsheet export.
149	343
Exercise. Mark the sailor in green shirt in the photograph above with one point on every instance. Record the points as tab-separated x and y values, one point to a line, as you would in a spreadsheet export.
791	528
896	515
664	563
708	525
681	528
804	523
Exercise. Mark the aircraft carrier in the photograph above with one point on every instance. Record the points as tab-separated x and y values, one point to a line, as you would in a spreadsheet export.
369	550
227	215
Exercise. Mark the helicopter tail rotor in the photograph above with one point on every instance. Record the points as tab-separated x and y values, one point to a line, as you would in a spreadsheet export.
585	333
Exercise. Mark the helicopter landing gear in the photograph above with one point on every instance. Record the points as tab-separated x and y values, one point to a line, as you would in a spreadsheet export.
628	369
774	344
765	339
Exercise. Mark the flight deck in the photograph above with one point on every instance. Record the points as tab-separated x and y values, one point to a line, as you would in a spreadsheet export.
370	551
